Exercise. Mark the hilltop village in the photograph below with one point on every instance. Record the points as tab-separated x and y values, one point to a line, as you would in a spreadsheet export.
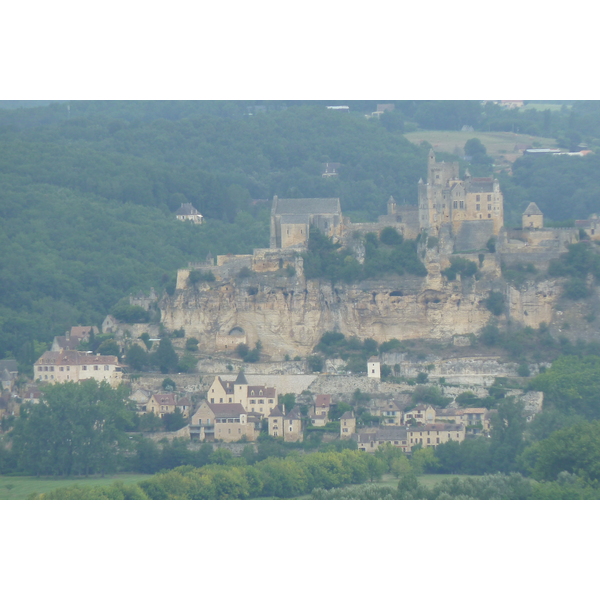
229	306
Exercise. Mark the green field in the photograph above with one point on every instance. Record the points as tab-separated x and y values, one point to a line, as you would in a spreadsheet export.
500	145
21	487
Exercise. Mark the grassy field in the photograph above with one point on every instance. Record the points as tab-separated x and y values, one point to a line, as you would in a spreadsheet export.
500	145
20	487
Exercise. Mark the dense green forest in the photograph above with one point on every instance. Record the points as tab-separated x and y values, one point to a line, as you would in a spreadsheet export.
88	189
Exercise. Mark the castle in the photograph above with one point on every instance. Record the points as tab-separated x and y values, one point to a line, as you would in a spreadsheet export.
473	207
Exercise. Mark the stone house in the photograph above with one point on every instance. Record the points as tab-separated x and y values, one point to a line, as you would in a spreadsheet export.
259	399
347	425
70	365
406	438
9	371
222	422
187	212
289	426
422	413
389	412
470	417
434	434
320	411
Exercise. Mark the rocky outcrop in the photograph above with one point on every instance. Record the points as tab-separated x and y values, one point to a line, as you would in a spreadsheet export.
289	314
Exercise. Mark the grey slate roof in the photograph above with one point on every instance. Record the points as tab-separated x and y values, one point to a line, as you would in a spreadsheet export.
186	209
533	209
241	379
481	185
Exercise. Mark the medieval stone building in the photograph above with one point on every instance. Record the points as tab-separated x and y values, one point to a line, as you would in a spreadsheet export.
291	219
473	207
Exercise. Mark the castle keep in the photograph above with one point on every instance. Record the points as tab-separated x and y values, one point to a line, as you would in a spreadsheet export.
473	207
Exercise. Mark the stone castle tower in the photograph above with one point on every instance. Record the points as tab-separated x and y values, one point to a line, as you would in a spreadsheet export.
475	204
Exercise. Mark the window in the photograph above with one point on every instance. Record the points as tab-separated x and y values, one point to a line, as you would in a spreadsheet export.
68	368
252	401
489	207
261	401
52	368
489	216
489	197
478	198
478	207
106	367
455	204
84	368
95	367
462	204
61	368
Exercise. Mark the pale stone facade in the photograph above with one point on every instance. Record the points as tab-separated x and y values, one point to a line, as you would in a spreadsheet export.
187	212
347	425
445	198
407	437
221	422
533	217
291	219
70	365
254	398
374	367
422	413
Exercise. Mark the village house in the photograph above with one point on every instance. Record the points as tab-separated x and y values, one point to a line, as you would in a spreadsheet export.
289	426
9	371
74	337
347	425
434	434
406	438
319	414
254	398
389	411
478	418
187	212
222	422
422	413
70	365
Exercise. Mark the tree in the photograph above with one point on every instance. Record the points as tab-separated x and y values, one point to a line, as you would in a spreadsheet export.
77	430
174	421
575	450
168	385
507	436
109	348
315	363
136	357
165	356
572	385
191	344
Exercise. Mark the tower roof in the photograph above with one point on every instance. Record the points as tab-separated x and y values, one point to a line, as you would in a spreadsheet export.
533	209
241	379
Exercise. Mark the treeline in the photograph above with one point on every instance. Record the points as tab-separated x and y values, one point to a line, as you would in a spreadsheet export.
563	187
69	258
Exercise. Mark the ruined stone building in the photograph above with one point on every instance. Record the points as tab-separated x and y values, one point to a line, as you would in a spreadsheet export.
473	207
291	219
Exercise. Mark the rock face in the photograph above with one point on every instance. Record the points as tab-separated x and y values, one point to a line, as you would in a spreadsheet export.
289	315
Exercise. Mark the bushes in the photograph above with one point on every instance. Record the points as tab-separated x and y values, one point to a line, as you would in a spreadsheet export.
495	303
459	265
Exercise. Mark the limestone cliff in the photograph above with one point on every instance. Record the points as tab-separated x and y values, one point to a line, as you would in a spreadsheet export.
289	314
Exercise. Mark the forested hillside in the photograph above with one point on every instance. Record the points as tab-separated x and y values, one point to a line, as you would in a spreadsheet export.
88	189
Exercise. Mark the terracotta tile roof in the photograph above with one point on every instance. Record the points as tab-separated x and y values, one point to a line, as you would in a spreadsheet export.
323	400
73	357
